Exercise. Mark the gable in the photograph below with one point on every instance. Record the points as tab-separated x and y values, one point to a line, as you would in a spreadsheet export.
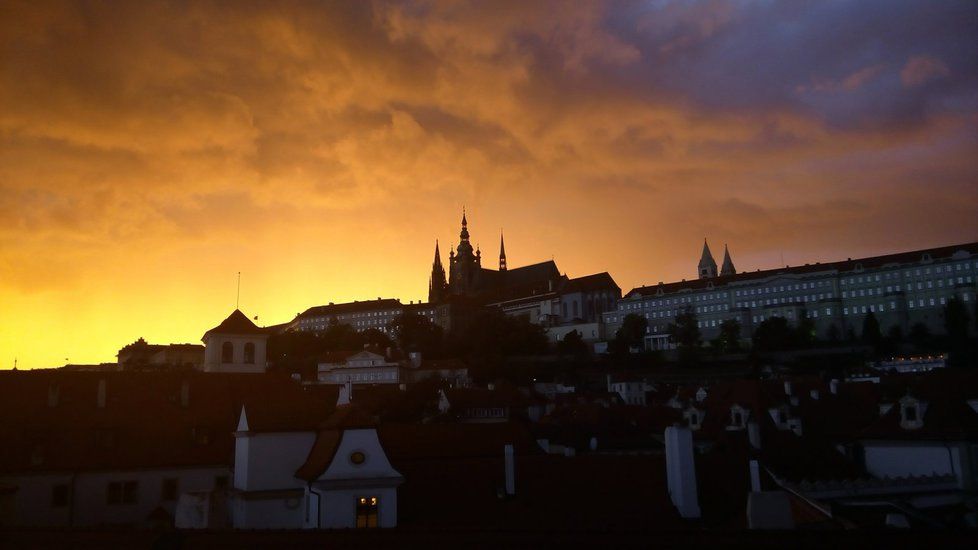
353	446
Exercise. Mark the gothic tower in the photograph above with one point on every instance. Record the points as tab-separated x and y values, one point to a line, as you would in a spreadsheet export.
708	266
465	264
728	266
437	285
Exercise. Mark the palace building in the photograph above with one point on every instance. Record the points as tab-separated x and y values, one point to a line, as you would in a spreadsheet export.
902	290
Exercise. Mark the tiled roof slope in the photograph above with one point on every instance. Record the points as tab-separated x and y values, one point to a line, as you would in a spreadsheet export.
144	423
236	323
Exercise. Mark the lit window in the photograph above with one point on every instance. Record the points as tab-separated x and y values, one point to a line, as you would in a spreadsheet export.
367	512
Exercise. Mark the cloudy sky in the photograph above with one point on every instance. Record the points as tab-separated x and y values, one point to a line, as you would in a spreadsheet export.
150	151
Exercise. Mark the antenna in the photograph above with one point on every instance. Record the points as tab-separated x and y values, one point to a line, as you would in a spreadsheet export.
237	301
782	257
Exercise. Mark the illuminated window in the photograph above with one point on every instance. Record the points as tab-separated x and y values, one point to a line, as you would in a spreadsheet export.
367	512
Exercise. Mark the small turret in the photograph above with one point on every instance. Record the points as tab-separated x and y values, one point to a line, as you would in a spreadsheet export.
727	268
708	266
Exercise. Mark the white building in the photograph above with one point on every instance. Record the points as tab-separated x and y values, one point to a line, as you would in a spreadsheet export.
236	345
364	367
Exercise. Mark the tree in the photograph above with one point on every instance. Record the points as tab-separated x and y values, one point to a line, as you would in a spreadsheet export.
871	331
377	339
492	333
774	334
415	332
921	337
956	322
684	330
631	333
833	333
805	332
573	344
729	338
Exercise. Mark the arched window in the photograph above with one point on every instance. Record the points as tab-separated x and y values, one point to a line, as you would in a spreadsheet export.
227	352
249	353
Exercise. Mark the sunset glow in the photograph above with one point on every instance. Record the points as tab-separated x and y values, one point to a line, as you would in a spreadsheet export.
151	151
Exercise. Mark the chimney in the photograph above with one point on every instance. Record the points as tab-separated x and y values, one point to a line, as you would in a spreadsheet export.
834	386
755	477
681	471
387	353
185	394
54	392
100	398
754	434
510	470
345	395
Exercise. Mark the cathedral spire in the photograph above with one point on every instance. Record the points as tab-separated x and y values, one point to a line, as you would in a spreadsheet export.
437	282
708	266
728	266
437	261
502	252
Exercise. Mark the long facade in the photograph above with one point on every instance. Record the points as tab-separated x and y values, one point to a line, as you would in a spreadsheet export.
901	290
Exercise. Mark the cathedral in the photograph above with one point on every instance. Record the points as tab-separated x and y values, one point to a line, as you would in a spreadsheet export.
467	277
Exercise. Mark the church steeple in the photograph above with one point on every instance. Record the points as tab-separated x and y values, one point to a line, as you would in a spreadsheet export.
728	267
502	252
437	283
707	268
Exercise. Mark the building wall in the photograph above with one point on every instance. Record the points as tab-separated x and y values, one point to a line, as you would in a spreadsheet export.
90	506
214	344
268	461
339	507
277	511
898	295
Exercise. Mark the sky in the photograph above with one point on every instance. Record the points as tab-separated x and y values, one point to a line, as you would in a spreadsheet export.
150	151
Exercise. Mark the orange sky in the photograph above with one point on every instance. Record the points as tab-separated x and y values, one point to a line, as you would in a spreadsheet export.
150	151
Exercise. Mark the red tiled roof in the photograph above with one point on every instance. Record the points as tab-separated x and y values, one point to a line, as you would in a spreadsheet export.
143	423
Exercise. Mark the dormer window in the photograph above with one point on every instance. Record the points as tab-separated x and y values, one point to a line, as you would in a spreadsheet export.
912	413
738	417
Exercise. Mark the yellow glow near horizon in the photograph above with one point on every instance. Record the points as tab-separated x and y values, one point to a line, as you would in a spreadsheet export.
150	151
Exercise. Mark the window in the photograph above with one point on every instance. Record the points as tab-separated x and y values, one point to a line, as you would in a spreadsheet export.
227	352
168	491
249	353
59	495
122	492
910	414
367	512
